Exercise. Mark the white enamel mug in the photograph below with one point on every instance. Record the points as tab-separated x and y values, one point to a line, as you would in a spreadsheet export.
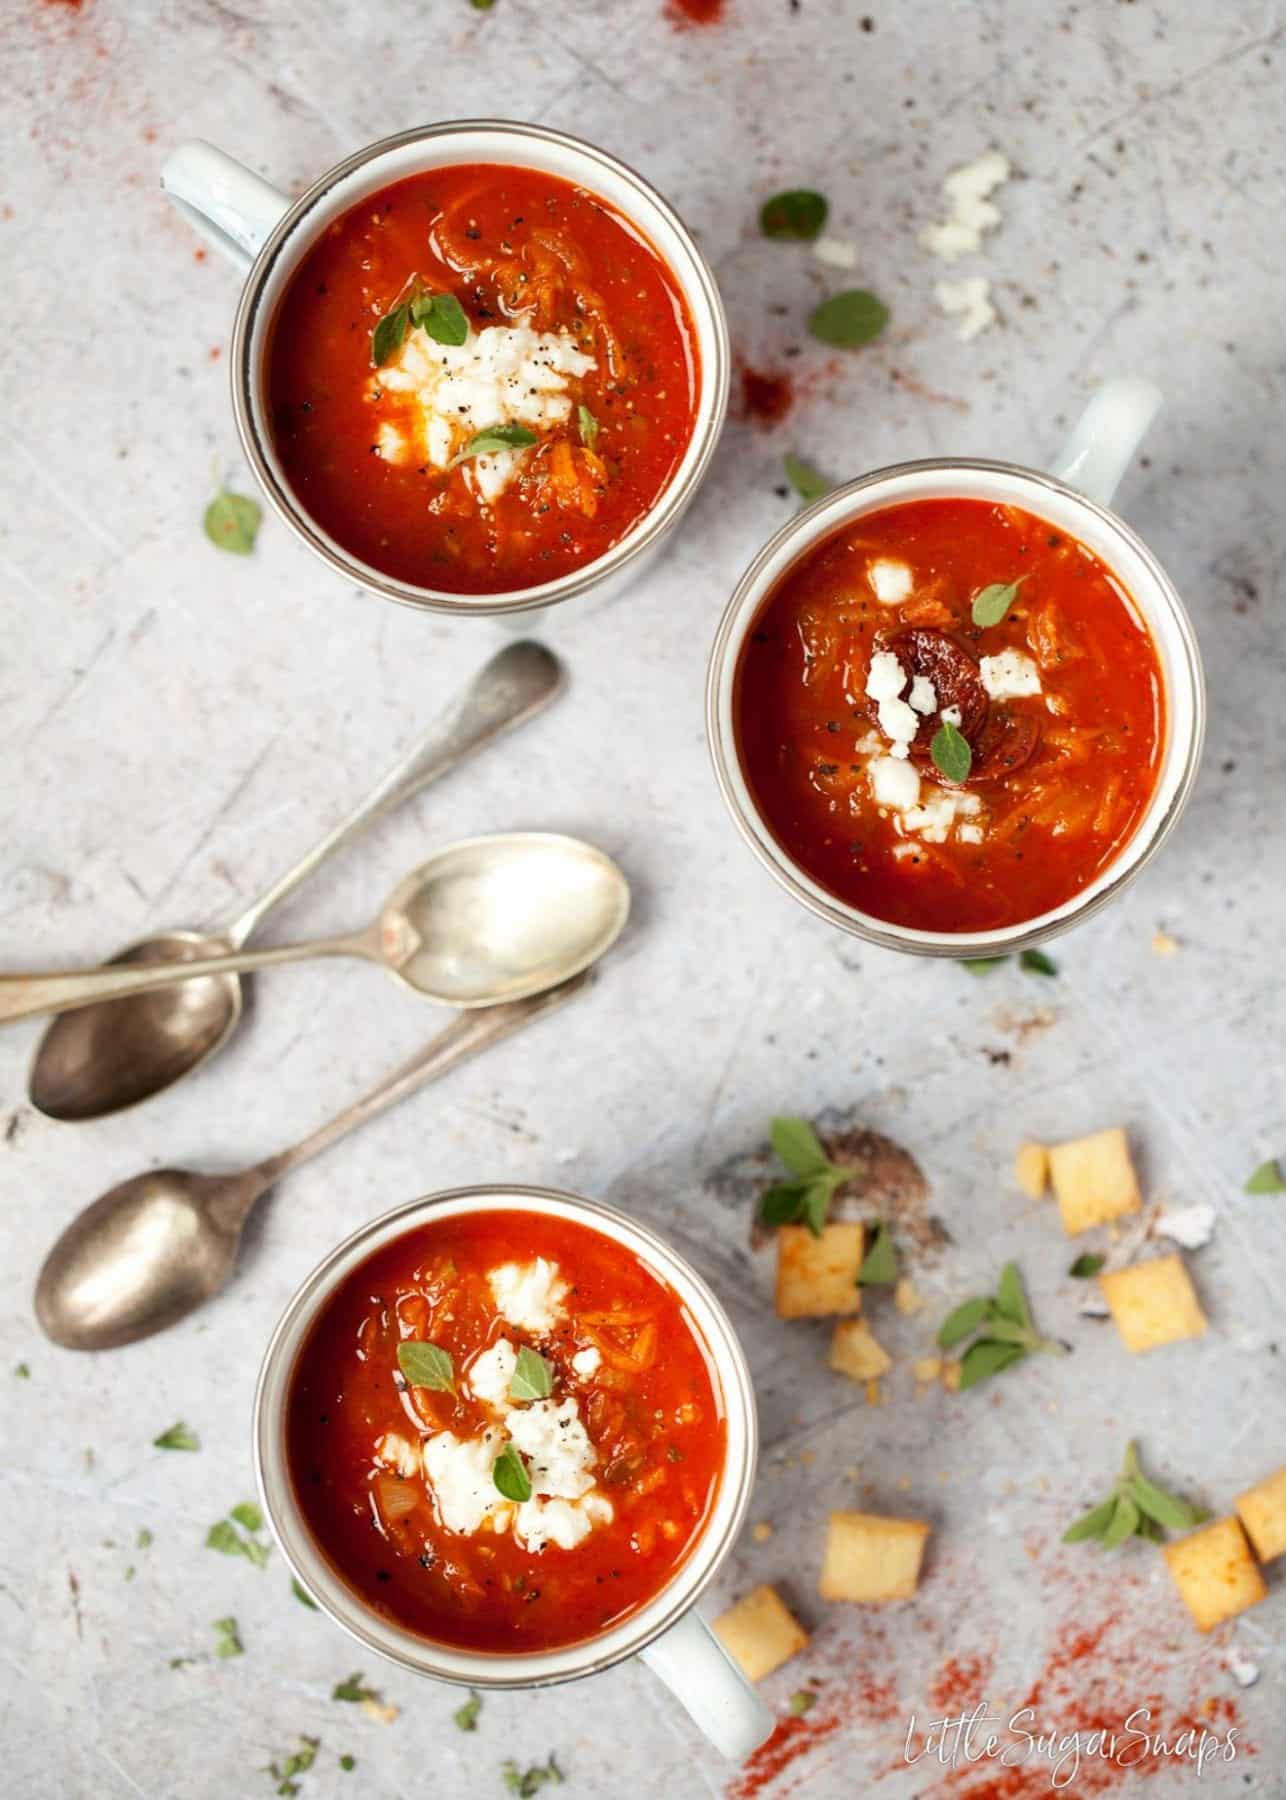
266	235
1075	498
667	1634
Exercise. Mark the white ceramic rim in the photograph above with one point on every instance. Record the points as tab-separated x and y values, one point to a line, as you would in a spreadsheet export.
257	306
1160	606
501	1669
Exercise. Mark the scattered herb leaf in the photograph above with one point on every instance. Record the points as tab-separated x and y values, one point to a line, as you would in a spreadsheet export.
809	483
228	1638
1087	1265
1268	1178
533	1377
797	213
178	1437
304	1598
587	425
526	1782
442	317
297	1763
350	1762
1004	1329
231	522
247	1513
950	752
353	1689
466	1716
880	1264
390	334
1037	963
849	319
228	1541
22	1372
991	604
1135	1507
801	1701
482	5
807	1198
426	1366
144	1539
798	1146
509	1472
982	965
499	437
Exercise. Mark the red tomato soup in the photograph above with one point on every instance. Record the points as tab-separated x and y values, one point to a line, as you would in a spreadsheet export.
936	754
565	1370
481	378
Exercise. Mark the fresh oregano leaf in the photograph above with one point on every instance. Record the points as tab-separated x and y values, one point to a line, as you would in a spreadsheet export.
801	1701
499	437
1167	1509
231	522
797	213
441	316
991	604
390	334
987	1357
1087	1264
809	483
783	1202
1124	1523
1011	1301
247	1514
849	319
1268	1178
1037	963
178	1437
466	1716
533	1377
819	1191
509	1472
965	1318
798	1146
982	965
1093	1523
353	1689
587	425
880	1264
304	1598
950	752
426	1366
228	1638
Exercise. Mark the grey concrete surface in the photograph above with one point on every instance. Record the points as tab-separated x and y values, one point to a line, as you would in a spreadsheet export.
177	724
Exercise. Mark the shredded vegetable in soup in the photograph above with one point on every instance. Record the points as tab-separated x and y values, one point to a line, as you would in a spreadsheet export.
481	378
504	1431
950	715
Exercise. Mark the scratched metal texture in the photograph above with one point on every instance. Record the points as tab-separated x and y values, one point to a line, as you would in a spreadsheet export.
177	724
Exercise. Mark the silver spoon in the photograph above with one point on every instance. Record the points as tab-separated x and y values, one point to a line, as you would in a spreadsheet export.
156	1247
113	1055
488	919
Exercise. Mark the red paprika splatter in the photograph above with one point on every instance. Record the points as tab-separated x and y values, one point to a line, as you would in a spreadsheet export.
685	13
765	397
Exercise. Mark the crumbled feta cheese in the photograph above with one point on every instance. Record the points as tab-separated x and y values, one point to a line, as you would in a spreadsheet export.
1243	1669
890	581
459	1474
923	696
490	1373
528	1295
971	212
951	715
398	1453
969	834
933	818
556	1446
836	253
562	1522
893	783
1191	1226
587	1362
885	680
501	375
969	301
1010	675
391	444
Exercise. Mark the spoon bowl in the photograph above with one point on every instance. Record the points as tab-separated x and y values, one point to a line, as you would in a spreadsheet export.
107	1057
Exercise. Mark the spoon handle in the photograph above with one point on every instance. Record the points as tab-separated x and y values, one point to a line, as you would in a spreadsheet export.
515	684
23	995
464	1037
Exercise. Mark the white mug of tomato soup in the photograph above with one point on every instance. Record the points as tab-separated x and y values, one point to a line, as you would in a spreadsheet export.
478	367
955	706
506	1437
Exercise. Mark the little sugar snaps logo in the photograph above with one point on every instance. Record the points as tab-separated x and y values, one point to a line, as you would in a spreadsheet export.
963	1739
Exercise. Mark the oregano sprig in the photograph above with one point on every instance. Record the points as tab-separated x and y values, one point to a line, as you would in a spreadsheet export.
1134	1507
1001	1327
808	1197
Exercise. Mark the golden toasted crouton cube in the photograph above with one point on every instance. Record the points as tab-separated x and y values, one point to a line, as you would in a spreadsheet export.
817	1276
907	1297
760	1633
1215	1572
927	1368
869	1558
1262	1510
1031	1169
951	1375
1093	1179
1153	1303
857	1352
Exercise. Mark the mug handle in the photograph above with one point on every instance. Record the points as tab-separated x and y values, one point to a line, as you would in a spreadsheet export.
1106	435
697	1669
229	205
